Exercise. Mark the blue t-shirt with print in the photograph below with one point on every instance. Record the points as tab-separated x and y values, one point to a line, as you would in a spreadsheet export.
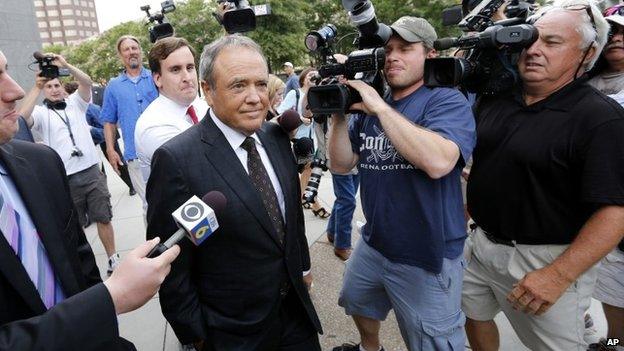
410	217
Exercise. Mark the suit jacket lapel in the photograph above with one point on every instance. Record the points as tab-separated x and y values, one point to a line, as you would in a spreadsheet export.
220	154
39	205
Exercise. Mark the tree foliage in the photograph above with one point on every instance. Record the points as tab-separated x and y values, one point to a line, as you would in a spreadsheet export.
280	34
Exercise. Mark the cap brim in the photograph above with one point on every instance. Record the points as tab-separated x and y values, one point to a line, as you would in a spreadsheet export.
406	35
617	19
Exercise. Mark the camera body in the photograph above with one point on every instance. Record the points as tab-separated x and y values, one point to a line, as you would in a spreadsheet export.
365	64
76	152
489	63
47	68
241	16
162	28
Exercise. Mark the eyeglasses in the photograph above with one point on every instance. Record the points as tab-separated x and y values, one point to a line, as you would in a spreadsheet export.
589	13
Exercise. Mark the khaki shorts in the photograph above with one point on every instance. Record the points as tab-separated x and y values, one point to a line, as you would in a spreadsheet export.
89	192
490	274
610	283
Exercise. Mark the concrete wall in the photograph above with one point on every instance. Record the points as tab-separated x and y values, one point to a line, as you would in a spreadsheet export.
19	38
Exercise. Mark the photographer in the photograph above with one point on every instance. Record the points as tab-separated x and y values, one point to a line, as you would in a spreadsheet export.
409	148
546	189
61	124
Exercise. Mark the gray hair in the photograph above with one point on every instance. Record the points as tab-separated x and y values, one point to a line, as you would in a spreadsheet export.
589	37
212	50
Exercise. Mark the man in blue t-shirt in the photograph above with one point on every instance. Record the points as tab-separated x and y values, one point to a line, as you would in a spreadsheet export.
125	98
410	149
292	82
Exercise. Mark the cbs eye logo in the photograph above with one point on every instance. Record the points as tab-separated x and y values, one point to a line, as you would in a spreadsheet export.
192	212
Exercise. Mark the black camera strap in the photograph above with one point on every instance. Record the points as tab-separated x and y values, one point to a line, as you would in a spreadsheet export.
66	123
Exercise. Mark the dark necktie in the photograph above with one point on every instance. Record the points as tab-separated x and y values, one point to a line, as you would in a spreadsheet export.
262	182
192	114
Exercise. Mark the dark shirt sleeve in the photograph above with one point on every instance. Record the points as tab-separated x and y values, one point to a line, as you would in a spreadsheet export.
449	114
603	164
85	321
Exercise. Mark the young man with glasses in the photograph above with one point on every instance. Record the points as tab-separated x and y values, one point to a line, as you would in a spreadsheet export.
556	143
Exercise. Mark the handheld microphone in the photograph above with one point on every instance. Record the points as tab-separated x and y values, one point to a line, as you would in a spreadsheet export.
197	220
289	120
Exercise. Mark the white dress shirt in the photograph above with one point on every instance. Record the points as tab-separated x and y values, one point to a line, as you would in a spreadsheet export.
235	139
162	120
52	128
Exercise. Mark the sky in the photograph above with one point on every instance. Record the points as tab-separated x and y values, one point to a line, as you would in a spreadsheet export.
113	12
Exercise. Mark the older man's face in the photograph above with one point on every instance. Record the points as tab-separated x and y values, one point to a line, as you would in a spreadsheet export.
10	92
240	97
552	60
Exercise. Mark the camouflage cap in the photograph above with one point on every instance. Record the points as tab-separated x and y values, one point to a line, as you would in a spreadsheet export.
414	30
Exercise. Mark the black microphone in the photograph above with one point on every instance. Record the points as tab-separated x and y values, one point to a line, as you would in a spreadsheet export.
289	120
38	55
197	220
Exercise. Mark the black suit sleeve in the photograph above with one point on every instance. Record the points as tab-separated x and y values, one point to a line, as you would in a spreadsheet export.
166	191
85	321
88	267
301	234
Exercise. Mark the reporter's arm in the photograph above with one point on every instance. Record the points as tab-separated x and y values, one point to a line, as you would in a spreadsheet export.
30	100
340	152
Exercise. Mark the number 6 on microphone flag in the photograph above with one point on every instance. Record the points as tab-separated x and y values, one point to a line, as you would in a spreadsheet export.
197	218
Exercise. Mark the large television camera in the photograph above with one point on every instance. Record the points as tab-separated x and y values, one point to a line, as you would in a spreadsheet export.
162	28
490	51
238	16
365	64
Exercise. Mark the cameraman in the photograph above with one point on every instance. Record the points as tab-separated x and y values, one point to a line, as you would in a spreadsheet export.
61	124
409	148
546	189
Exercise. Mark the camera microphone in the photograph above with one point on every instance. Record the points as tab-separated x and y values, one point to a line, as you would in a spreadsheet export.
38	55
289	120
197	219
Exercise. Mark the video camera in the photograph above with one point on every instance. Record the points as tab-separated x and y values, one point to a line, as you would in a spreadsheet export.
162	29
47	68
365	64
240	17
489	65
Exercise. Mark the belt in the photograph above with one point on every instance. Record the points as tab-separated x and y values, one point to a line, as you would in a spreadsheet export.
497	240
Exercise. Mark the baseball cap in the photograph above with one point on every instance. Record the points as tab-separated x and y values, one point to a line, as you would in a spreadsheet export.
289	64
615	14
414	30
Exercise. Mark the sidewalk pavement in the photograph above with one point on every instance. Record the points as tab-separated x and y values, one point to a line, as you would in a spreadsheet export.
149	331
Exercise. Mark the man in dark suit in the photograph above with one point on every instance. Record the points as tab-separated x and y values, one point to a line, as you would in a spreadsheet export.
51	294
242	289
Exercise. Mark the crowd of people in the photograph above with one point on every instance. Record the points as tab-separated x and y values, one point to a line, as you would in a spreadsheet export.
545	196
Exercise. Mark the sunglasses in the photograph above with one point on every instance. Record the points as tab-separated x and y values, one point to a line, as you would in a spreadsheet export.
586	8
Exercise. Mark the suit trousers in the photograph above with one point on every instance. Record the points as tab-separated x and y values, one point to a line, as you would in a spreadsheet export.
289	330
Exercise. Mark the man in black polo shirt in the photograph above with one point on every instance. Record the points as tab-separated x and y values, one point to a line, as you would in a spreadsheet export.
546	189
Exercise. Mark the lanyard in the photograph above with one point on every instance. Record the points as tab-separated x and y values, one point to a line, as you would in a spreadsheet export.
67	124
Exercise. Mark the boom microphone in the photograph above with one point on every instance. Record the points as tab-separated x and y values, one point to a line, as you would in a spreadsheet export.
197	220
289	120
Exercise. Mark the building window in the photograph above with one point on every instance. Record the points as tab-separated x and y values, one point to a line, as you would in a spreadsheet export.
92	14
44	35
57	34
80	23
87	24
67	12
91	4
81	32
83	3
70	32
65	2
69	22
53	13
55	23
93	24
51	2
42	24
76	2
40	13
38	3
